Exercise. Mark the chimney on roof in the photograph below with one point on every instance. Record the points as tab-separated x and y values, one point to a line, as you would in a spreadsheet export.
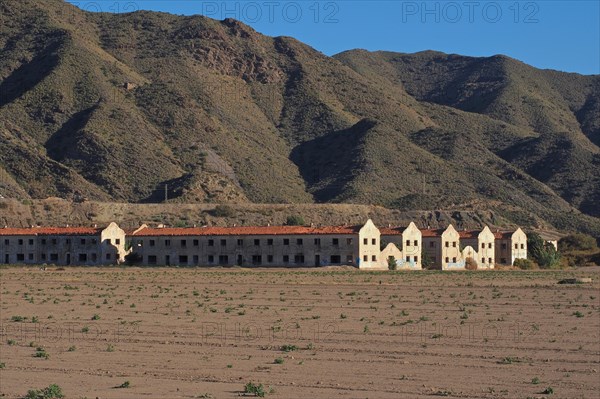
161	226
389	225
67	225
269	224
312	224
95	225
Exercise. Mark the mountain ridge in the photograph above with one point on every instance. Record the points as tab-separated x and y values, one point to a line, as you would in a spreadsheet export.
117	106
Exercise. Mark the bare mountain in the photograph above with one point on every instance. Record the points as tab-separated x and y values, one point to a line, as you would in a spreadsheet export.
119	106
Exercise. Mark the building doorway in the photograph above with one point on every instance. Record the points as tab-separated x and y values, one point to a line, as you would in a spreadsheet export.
240	260
68	259
317	260
7	259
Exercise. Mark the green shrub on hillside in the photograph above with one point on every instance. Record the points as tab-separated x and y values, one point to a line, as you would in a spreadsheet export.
295	220
578	242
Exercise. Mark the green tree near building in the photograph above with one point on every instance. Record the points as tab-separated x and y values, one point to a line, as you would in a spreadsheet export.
542	252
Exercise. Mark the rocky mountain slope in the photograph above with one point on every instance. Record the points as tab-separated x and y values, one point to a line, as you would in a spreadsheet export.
117	107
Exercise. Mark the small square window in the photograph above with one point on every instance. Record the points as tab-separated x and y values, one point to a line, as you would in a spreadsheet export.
366	258
366	241
482	245
256	242
167	243
348	241
447	260
118	241
490	245
6	242
334	241
286	241
240	242
20	242
454	244
374	241
299	241
490	261
408	243
453	260
447	244
318	241
183	244
286	258
270	258
152	243
431	244
211	258
374	258
408	258
83	241
196	243
30	241
416	259
416	243
211	243
30	256
223	243
482	260
270	241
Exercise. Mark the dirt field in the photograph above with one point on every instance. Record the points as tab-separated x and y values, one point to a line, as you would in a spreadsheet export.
185	333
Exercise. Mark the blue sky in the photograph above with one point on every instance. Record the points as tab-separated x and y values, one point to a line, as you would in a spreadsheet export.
563	35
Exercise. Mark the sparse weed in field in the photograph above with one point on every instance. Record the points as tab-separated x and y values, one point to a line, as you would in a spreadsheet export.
578	314
17	318
72	348
126	384
85	329
535	380
255	389
110	348
279	360
51	392
96	317
509	360
289	348
41	353
2	365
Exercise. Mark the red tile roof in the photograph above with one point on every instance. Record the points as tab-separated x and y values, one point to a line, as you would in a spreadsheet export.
392	231
469	233
432	232
50	231
503	235
247	230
